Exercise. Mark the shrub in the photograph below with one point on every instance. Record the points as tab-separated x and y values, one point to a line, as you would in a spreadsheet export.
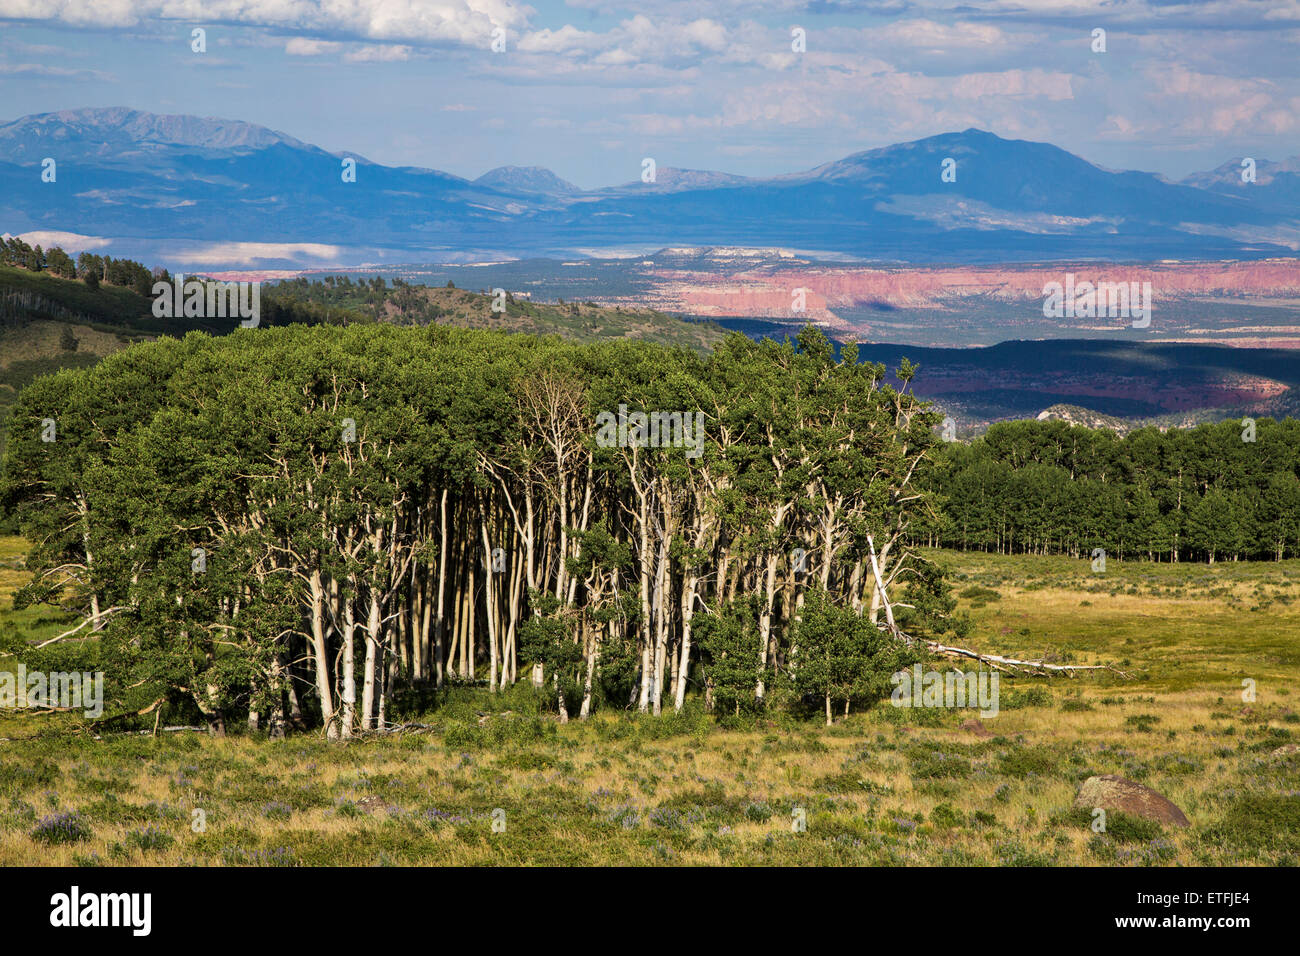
1030	697
277	811
946	817
150	838
1022	761
61	828
1142	722
933	765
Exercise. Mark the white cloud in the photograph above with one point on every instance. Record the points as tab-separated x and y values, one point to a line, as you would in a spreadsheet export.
1012	83
59	72
937	37
467	22
634	41
67	241
567	39
366	53
250	253
302	46
34	49
1197	103
374	53
1153	13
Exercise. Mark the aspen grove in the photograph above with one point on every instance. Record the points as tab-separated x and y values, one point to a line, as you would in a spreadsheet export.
292	525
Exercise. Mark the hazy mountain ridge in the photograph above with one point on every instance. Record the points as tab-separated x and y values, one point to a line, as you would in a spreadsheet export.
1276	183
115	126
161	181
536	179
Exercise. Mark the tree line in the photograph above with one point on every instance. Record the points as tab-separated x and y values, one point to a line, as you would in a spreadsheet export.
290	525
1227	490
89	267
283	303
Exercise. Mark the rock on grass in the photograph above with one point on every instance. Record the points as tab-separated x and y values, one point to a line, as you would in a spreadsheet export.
1112	792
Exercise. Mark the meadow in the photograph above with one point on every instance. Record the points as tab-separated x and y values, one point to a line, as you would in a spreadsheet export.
473	778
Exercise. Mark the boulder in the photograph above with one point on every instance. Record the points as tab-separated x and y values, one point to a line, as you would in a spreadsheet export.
1111	792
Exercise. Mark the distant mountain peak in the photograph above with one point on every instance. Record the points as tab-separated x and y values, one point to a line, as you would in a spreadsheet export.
537	179
674	179
1228	175
121	124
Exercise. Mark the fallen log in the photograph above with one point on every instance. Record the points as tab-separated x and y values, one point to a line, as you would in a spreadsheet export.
996	661
1012	663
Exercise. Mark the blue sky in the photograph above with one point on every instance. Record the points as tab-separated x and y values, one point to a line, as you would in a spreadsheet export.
588	88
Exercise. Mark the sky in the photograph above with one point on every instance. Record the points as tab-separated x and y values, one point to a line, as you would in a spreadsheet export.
587	88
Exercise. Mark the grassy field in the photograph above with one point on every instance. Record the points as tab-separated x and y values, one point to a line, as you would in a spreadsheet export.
495	781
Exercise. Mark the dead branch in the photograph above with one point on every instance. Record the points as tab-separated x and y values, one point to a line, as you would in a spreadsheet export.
995	661
139	713
1012	663
93	619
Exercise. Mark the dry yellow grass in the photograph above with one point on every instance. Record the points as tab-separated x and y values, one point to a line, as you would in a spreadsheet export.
884	787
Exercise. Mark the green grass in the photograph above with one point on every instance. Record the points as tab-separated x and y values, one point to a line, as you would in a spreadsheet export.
1182	625
882	787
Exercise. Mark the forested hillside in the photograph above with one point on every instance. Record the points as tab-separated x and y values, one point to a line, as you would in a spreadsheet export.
404	303
286	525
59	313
1226	490
117	294
47	284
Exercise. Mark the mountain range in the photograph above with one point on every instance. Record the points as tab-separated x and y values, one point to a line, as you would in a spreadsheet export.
181	190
